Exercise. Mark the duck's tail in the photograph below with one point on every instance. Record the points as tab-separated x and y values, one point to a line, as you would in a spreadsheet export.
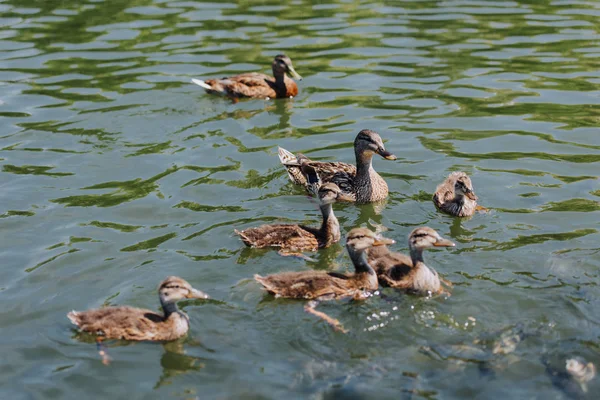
74	317
292	164
287	158
201	83
244	237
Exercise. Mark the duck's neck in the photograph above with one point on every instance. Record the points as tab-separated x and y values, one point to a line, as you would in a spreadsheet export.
279	77
359	259
416	255
364	166
330	228
168	308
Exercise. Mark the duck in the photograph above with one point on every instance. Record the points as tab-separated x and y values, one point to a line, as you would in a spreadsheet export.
361	182
456	196
300	237
129	323
400	271
322	285
255	84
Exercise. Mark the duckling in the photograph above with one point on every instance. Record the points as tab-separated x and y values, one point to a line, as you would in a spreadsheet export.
321	285
255	84
131	323
410	273
455	195
361	182
301	237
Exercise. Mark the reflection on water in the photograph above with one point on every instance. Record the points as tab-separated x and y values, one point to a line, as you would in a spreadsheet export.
116	171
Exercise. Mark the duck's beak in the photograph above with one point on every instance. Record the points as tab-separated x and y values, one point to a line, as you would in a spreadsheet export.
444	243
471	194
385	154
196	294
345	197
293	73
381	241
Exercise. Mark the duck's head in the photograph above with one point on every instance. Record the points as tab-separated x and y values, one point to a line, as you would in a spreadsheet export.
463	185
360	239
330	193
174	289
425	237
369	142
282	64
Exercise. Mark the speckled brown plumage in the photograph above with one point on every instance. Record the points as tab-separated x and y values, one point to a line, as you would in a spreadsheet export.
330	285
131	323
255	84
361	182
409	273
456	196
300	237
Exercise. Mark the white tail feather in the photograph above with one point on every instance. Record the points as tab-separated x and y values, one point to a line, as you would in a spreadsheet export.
287	158
73	317
201	83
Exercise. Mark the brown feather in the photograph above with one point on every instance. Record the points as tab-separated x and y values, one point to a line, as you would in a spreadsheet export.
258	85
361	182
128	323
131	323
316	284
446	199
293	237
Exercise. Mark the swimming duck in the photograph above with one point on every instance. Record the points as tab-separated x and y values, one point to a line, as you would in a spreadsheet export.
455	195
410	273
361	182
131	323
301	237
255	84
321	285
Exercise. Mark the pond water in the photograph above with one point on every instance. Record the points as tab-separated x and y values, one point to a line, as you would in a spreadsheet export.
116	172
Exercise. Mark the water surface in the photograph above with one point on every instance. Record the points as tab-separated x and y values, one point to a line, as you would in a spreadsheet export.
116	172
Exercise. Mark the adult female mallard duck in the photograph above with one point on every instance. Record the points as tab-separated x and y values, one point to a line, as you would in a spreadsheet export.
255	84
361	182
455	195
410	273
131	323
321	285
301	237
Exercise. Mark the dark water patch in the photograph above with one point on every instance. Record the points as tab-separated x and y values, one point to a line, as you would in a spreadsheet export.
192	206
575	205
150	244
17	213
115	226
33	170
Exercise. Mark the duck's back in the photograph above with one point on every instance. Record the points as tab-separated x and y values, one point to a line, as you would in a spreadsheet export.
118	322
280	235
309	284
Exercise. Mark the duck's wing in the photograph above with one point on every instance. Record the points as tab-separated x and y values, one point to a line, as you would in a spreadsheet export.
119	322
342	174
250	85
279	235
443	193
397	274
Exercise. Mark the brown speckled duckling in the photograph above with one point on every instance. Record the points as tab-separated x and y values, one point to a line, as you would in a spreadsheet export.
255	84
131	323
455	195
321	285
301	237
410	273
361	182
